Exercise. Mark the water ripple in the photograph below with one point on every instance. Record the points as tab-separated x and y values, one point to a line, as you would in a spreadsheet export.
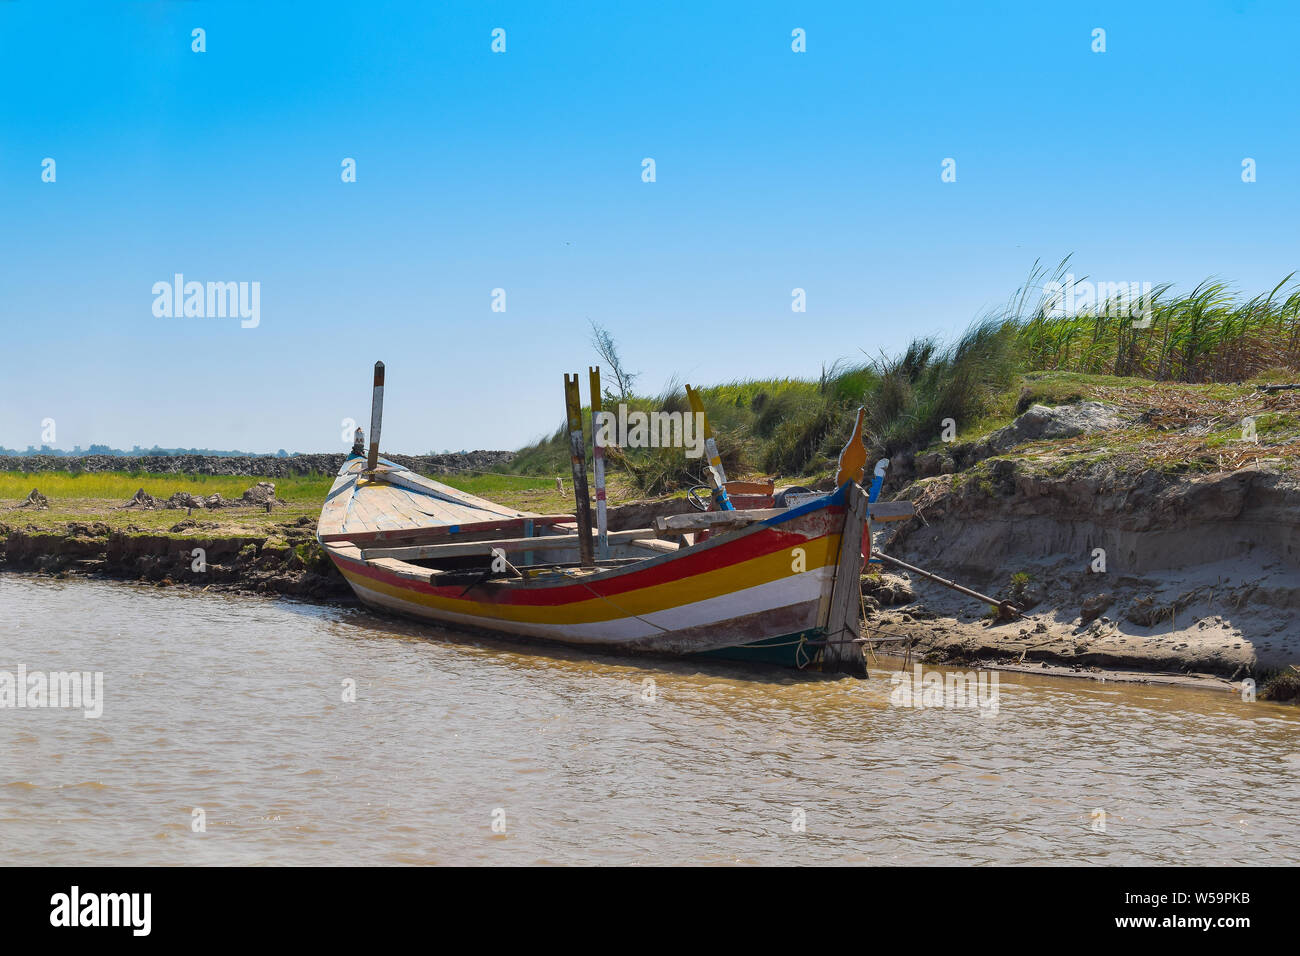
226	739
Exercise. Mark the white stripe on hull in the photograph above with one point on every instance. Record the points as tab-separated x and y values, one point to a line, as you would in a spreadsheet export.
809	591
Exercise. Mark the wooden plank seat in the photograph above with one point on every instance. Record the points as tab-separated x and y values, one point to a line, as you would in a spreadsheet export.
890	510
508	545
442	531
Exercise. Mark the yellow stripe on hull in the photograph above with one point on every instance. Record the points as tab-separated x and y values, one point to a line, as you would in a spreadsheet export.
818	553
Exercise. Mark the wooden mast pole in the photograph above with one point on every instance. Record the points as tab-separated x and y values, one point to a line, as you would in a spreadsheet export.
598	465
578	459
376	415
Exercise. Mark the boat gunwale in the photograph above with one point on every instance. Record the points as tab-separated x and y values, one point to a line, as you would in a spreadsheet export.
715	541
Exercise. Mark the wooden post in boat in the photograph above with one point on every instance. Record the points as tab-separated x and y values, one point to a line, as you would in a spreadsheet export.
376	414
843	651
878	481
528	533
717	475
578	459
598	465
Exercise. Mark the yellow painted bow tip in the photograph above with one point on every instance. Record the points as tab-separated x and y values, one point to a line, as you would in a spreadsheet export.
853	459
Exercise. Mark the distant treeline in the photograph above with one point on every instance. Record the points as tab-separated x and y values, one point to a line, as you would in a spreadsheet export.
137	452
45	451
264	466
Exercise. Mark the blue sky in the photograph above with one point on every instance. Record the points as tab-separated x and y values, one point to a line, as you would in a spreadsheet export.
522	171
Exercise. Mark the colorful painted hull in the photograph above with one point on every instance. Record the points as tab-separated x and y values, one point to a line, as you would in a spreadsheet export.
765	593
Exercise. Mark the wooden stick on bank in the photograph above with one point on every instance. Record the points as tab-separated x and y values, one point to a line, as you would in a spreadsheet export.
1006	609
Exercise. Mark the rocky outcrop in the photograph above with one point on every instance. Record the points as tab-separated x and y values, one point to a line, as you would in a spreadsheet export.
887	589
1094	606
1037	423
1042	422
261	495
142	499
35	500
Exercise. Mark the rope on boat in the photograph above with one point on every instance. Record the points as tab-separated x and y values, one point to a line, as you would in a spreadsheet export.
568	573
799	645
801	657
863	599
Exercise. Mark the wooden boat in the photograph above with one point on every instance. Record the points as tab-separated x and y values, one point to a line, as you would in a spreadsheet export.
764	585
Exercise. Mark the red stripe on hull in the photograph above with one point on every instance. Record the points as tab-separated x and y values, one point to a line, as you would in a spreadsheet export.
750	546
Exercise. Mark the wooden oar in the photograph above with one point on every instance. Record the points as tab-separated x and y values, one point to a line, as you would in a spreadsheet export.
1006	609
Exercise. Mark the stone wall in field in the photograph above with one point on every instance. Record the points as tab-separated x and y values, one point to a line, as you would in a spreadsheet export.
259	466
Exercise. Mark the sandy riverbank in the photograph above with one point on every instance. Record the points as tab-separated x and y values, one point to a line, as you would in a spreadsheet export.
1159	574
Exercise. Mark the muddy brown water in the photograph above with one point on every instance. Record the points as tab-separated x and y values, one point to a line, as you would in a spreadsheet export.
234	705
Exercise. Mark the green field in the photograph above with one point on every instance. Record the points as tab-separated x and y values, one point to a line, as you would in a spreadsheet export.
99	496
121	485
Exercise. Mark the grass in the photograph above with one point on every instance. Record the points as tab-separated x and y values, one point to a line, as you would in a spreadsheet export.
796	428
122	485
528	492
1210	334
295	489
98	497
1201	353
1281	686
